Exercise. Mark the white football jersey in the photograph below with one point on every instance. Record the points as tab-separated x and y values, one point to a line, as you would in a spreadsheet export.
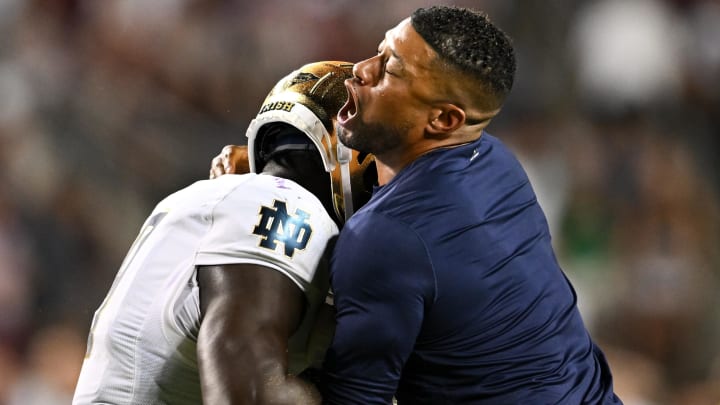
142	342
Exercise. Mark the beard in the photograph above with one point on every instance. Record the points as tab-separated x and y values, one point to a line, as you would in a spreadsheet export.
374	138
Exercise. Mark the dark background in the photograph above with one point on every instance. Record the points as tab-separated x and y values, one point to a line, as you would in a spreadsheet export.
107	106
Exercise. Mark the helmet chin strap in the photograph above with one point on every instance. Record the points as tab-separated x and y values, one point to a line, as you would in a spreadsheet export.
343	156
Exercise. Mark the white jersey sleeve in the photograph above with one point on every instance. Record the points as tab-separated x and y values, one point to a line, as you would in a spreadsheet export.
272	222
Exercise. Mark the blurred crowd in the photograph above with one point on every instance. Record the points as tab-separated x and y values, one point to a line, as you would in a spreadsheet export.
107	106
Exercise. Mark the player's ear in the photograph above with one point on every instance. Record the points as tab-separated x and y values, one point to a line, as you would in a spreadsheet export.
444	119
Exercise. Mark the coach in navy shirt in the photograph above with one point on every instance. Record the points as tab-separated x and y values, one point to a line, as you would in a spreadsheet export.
446	286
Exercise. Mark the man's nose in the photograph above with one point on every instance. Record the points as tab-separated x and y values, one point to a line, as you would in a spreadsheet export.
366	71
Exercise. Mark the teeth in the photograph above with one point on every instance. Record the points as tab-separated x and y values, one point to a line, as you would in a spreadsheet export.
353	109
349	109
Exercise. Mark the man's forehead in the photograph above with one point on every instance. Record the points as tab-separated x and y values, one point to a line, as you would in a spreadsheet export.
399	31
408	46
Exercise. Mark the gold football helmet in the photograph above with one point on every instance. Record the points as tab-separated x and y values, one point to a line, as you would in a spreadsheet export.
309	99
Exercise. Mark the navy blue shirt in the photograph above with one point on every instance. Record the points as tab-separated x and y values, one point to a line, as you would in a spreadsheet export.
448	292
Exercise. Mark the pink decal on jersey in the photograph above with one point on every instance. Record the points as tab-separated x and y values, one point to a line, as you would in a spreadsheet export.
280	183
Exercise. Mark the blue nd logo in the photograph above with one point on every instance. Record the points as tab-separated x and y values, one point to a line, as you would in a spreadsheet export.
276	225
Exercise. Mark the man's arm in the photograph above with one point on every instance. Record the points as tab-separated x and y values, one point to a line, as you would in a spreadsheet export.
248	314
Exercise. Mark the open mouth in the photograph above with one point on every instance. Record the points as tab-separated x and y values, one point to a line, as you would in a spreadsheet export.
349	109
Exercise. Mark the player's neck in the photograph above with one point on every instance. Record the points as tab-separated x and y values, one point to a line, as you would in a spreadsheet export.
308	175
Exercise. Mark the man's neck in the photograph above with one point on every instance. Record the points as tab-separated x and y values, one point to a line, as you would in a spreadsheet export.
391	163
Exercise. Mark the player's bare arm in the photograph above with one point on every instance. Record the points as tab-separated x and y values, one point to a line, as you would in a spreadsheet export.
248	314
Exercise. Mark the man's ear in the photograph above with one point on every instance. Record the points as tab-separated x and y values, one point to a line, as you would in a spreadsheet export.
445	119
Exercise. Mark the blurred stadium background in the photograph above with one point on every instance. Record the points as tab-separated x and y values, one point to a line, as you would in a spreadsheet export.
107	106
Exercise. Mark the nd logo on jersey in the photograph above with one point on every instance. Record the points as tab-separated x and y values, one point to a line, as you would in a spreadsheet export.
276	225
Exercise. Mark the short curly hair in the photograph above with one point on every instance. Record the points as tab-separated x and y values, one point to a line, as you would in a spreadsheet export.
468	41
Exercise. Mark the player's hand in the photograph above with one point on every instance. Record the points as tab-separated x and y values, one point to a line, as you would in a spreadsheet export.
233	159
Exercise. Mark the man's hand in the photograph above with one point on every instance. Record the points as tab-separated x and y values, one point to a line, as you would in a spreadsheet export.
233	159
